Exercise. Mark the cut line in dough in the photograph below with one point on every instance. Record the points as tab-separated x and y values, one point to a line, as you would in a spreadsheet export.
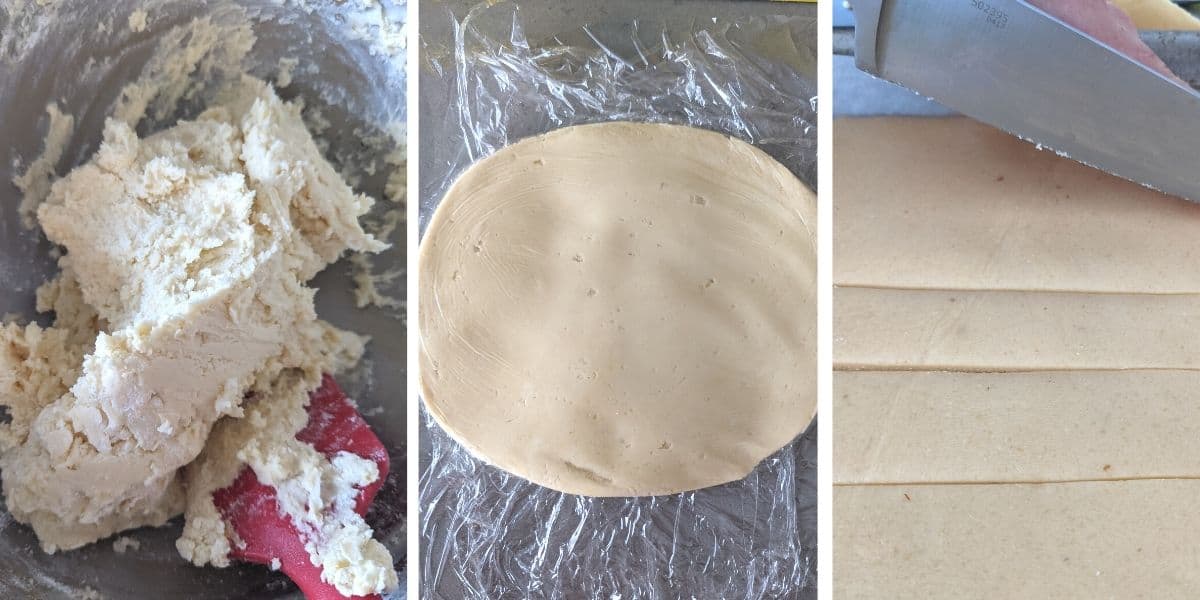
1058	461
622	309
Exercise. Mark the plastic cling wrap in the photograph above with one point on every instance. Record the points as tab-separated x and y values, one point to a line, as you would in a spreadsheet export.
488	534
754	79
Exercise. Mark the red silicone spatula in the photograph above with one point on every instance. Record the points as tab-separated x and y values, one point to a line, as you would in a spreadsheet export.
251	509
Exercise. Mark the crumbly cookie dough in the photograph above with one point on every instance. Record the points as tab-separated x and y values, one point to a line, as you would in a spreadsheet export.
319	494
124	544
183	291
137	21
997	214
34	182
622	309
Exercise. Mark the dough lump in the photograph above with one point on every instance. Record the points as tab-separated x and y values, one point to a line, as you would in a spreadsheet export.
622	309
183	291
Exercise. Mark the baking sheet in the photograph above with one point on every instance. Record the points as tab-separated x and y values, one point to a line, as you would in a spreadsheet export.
488	534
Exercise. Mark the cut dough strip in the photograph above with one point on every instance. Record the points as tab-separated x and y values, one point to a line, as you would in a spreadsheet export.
928	427
1013	331
995	213
1017	541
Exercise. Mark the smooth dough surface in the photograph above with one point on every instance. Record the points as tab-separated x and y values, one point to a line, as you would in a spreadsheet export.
1080	369
1013	331
996	213
1112	539
622	309
941	427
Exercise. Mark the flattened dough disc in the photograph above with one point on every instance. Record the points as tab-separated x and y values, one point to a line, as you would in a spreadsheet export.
622	309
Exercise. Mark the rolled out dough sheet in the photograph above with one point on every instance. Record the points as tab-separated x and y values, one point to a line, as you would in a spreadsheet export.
1013	331
950	203
622	309
1113	539
936	426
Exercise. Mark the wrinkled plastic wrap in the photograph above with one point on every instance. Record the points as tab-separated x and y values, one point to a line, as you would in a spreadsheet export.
488	534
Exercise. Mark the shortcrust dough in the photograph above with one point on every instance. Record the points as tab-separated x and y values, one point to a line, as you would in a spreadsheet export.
1088	392
182	291
996	213
622	309
1110	539
1013	331
937	426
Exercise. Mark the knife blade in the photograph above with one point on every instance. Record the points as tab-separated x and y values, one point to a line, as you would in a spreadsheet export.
1011	65
1180	50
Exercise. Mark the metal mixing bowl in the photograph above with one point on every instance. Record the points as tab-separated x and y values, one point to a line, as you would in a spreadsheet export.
58	52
